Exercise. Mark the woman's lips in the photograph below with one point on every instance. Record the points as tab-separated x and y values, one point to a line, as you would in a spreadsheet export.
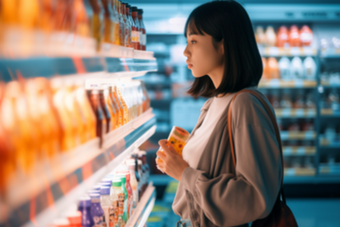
190	66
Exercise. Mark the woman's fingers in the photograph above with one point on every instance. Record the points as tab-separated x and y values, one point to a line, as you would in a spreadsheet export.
161	155
167	147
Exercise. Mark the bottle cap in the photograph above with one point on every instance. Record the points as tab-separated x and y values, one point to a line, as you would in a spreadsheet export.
85	201
106	184
116	183
140	12
134	9
93	191
126	173
122	177
104	190
105	180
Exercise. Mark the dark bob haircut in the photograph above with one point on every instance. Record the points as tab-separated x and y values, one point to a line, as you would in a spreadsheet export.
228	21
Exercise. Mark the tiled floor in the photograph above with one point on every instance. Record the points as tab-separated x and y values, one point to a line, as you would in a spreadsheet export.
316	212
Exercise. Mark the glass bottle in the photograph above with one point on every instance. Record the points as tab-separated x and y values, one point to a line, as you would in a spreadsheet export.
106	111
121	24
116	22
129	18
134	183
100	116
117	106
122	98
107	28
142	30
97	22
127	27
135	29
113	113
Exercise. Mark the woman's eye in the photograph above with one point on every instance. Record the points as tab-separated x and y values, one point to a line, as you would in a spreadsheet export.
193	41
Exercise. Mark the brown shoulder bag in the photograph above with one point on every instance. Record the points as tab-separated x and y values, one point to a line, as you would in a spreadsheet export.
281	215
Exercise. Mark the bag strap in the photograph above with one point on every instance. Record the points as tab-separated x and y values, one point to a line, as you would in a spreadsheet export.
273	120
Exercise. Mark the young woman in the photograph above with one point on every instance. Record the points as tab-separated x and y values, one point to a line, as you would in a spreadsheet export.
224	59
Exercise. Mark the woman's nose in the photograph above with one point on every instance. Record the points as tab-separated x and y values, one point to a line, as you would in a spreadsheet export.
186	52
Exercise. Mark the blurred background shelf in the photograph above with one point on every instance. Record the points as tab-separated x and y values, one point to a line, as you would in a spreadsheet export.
278	83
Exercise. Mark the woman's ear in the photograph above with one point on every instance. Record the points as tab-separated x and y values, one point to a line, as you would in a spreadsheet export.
221	47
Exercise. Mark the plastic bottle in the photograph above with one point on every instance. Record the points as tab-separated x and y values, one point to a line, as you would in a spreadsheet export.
116	196
97	22
283	37
309	67
85	206
121	23
129	191
142	30
296	69
306	36
125	199
284	66
270	37
273	68
260	36
136	29
134	183
142	157
105	202
97	212
294	36
108	16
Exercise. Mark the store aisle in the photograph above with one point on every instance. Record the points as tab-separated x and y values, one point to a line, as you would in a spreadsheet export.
316	212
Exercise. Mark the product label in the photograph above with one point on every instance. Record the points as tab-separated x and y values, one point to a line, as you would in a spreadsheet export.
113	214
98	221
121	198
134	36
138	37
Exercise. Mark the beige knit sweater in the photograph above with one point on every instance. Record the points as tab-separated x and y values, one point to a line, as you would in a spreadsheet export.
214	194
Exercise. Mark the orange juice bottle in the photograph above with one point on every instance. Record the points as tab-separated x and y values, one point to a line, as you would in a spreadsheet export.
107	33
106	111
35	109
74	112
87	112
114	97
126	95
147	100
82	27
97	22
68	126
115	22
122	100
139	94
98	111
9	12
113	113
50	119
17	122
115	106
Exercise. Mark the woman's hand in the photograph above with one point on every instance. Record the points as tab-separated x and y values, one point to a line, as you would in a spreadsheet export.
171	162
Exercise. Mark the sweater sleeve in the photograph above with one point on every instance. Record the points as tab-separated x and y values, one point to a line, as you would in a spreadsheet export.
230	200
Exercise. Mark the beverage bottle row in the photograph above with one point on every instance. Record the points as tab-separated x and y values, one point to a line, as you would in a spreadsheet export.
288	99
41	118
292	37
289	69
109	21
113	201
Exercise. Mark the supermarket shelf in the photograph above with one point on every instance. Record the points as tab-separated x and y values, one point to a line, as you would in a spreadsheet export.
331	169
278	83
329	84
285	135
288	150
324	179
159	179
54	187
292	51
325	143
288	112
330	53
329	113
144	208
300	171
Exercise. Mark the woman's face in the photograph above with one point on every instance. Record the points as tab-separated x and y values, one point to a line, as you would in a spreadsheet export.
203	58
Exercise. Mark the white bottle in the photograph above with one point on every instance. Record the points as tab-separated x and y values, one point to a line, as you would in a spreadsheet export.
105	202
309	67
284	67
296	68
